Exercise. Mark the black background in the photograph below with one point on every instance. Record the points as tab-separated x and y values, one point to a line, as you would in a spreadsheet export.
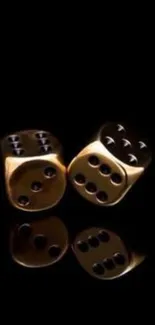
67	65
74	115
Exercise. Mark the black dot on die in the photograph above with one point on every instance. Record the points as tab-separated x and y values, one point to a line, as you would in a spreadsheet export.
25	230
120	128
116	178
103	236
105	169
108	264
41	134
46	149
36	186
80	179
91	187
23	200
119	259
93	160
126	143
50	172
93	241
54	251
109	141
13	138
82	246
40	241
18	152
132	159
102	196
43	141
16	145
98	269
142	145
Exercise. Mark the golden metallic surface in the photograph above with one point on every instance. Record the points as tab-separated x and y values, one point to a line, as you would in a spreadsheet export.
106	258
29	251
35	180
94	175
120	160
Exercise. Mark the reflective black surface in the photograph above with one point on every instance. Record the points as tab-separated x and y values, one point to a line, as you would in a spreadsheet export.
132	217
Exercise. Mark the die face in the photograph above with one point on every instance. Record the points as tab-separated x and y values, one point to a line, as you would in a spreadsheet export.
37	185
125	144
40	243
101	253
30	143
35	175
96	177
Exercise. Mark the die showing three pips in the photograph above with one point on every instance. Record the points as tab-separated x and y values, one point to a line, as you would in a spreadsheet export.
35	175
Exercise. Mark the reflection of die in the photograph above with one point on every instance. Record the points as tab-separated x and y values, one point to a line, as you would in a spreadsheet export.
105	170
34	173
39	243
103	254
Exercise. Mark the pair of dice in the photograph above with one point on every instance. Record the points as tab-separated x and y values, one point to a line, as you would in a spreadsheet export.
101	252
102	172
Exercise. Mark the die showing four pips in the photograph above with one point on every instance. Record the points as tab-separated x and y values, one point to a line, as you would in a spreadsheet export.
39	243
